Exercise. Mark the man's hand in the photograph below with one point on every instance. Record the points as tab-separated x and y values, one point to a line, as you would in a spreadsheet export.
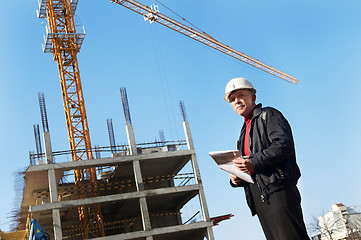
244	164
235	180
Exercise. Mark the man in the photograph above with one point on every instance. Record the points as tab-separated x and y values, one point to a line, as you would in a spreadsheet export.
267	149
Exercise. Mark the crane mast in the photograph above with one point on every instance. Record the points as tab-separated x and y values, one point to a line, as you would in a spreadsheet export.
152	14
64	43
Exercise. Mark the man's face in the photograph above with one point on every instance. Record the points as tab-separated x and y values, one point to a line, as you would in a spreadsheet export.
242	101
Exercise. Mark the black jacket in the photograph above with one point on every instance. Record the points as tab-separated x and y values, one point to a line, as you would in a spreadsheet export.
272	153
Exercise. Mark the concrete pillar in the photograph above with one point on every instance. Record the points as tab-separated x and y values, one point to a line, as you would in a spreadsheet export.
138	175
142	201
202	197
187	132
48	149
131	139
52	187
197	175
58	235
138	180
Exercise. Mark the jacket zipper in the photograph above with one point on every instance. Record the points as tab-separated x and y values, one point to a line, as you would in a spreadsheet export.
250	151
260	189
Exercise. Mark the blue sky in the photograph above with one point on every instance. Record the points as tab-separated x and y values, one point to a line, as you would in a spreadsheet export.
318	42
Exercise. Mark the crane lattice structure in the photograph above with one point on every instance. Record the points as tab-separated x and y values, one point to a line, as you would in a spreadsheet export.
153	15
63	41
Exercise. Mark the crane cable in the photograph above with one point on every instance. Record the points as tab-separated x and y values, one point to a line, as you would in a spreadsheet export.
164	84
184	19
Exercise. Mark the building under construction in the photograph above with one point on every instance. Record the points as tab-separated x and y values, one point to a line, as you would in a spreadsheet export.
141	191
131	191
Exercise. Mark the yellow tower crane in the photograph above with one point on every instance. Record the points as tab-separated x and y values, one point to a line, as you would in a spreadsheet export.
153	15
63	41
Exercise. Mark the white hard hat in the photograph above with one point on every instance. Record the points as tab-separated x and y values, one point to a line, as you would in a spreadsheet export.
237	84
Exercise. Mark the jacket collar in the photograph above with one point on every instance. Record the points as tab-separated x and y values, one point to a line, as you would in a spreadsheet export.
257	110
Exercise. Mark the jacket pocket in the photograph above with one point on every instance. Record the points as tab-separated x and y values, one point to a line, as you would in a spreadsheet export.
271	177
280	175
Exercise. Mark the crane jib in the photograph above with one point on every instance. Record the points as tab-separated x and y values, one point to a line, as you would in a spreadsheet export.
201	37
